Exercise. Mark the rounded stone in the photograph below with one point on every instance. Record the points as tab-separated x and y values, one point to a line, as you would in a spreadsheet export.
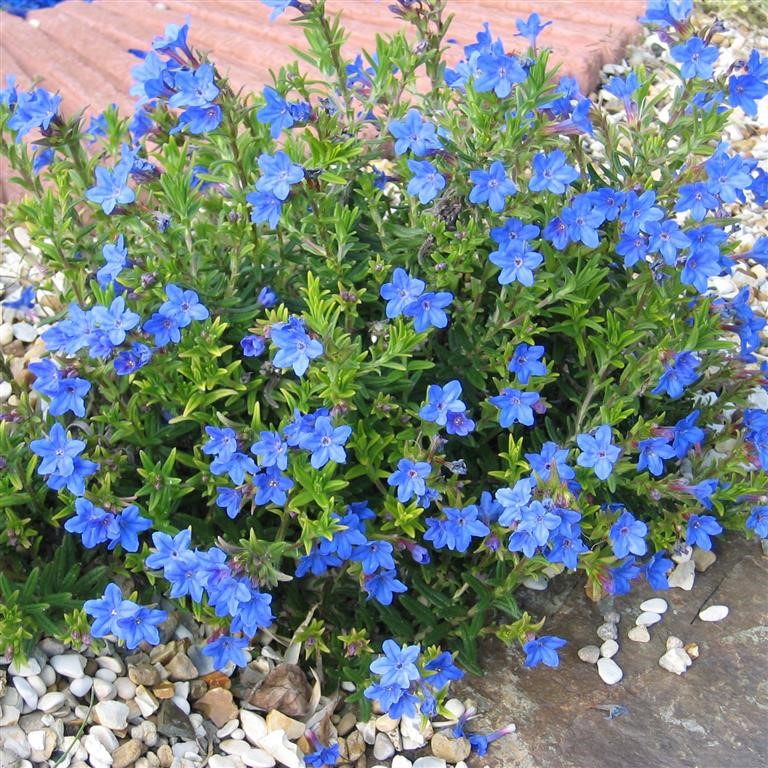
589	653
71	665
383	748
607	631
655	605
609	671
125	688
639	634
647	619
80	686
609	649
112	714
714	613
51	701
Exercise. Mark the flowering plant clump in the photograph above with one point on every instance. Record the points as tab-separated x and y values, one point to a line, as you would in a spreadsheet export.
355	359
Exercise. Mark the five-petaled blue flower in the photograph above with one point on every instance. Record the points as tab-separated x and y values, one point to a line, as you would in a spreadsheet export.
442	401
543	650
295	347
697	58
278	173
111	187
628	535
414	134
226	648
427	310
427	181
401	292
653	452
551	172
409	478
398	665
599	452
515	406
699	530
492	186
326	442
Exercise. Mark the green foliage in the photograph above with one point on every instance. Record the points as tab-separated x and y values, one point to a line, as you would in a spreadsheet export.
609	332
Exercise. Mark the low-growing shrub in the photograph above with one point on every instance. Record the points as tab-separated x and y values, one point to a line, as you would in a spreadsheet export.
357	355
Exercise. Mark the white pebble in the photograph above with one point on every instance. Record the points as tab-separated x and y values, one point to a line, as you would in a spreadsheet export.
639	634
674	642
675	660
37	684
683	575
254	725
112	714
6	334
589	653
383	748
182	704
104	691
26	691
714	613
430	762
80	686
111	663
27	669
126	689
609	671
401	761
48	675
655	605
609	649
51	701
25	332
71	665
647	619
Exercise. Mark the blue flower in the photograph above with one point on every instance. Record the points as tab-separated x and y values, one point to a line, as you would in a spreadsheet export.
639	211
540	521
443	671
279	6
183	306
25	300
57	451
426	182
43	158
632	247
69	397
267	298
700	528
531	28
276	112
253	614
230	500
326	443
599	452
459	424
628	535
128	525
129	361
398	665
517	262
116	258
168	548
295	347
668	13
374	555
225	649
401	292
235	466
653	452
94	524
140	626
111	188
457	530
323	757
252	345
194	87
677	375
35	109
543	650
107	610
758	521
414	134
697	199
317	562
515	406
278	173
271	450
427	310
687	434
266	208
271	486
566	547
198	120
656	571
409	478
498	72
115	321
618	580
441	401
697	58
382	586
550	172
582	220
492	187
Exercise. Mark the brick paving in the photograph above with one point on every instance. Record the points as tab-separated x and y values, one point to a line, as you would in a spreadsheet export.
82	48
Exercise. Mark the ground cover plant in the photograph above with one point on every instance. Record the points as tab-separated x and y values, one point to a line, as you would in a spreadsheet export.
353	357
